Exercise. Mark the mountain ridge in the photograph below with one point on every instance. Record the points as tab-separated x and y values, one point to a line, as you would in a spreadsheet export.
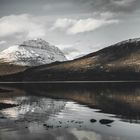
120	61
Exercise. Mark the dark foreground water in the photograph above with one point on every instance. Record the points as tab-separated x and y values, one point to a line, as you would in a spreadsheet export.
102	111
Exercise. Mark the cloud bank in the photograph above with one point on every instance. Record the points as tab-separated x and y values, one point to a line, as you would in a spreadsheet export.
74	26
24	24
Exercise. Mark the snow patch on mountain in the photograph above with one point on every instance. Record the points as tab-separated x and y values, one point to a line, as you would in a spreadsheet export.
135	40
32	53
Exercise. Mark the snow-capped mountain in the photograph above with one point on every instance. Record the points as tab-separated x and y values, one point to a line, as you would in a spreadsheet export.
32	53
118	62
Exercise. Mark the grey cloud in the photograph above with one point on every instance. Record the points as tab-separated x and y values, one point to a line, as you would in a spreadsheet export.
72	26
70	51
54	7
111	5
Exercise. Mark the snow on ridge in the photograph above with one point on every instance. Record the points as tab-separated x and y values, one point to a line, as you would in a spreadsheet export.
32	53
135	40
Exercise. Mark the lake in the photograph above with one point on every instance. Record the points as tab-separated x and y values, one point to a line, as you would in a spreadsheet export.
64	111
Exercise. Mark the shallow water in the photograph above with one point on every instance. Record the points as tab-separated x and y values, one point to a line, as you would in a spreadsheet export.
70	111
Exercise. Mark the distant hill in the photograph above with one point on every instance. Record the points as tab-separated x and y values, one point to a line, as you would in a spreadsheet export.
120	61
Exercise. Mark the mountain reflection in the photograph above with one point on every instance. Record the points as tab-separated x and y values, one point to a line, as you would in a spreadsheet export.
122	100
70	111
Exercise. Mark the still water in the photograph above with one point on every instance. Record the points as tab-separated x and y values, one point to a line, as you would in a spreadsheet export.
102	111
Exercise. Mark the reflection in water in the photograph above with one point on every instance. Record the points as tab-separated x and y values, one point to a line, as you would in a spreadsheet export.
70	112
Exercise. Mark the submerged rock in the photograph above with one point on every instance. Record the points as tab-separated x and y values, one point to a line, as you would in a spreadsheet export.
4	105
92	120
106	121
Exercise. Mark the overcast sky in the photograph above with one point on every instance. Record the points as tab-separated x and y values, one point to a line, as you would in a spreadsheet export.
77	27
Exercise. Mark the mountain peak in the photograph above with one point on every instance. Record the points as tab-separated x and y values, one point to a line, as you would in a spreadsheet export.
36	43
32	53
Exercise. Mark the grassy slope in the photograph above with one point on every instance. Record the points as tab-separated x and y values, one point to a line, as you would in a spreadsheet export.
7	69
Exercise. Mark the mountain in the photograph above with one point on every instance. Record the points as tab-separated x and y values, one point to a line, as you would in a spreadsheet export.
32	53
120	61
